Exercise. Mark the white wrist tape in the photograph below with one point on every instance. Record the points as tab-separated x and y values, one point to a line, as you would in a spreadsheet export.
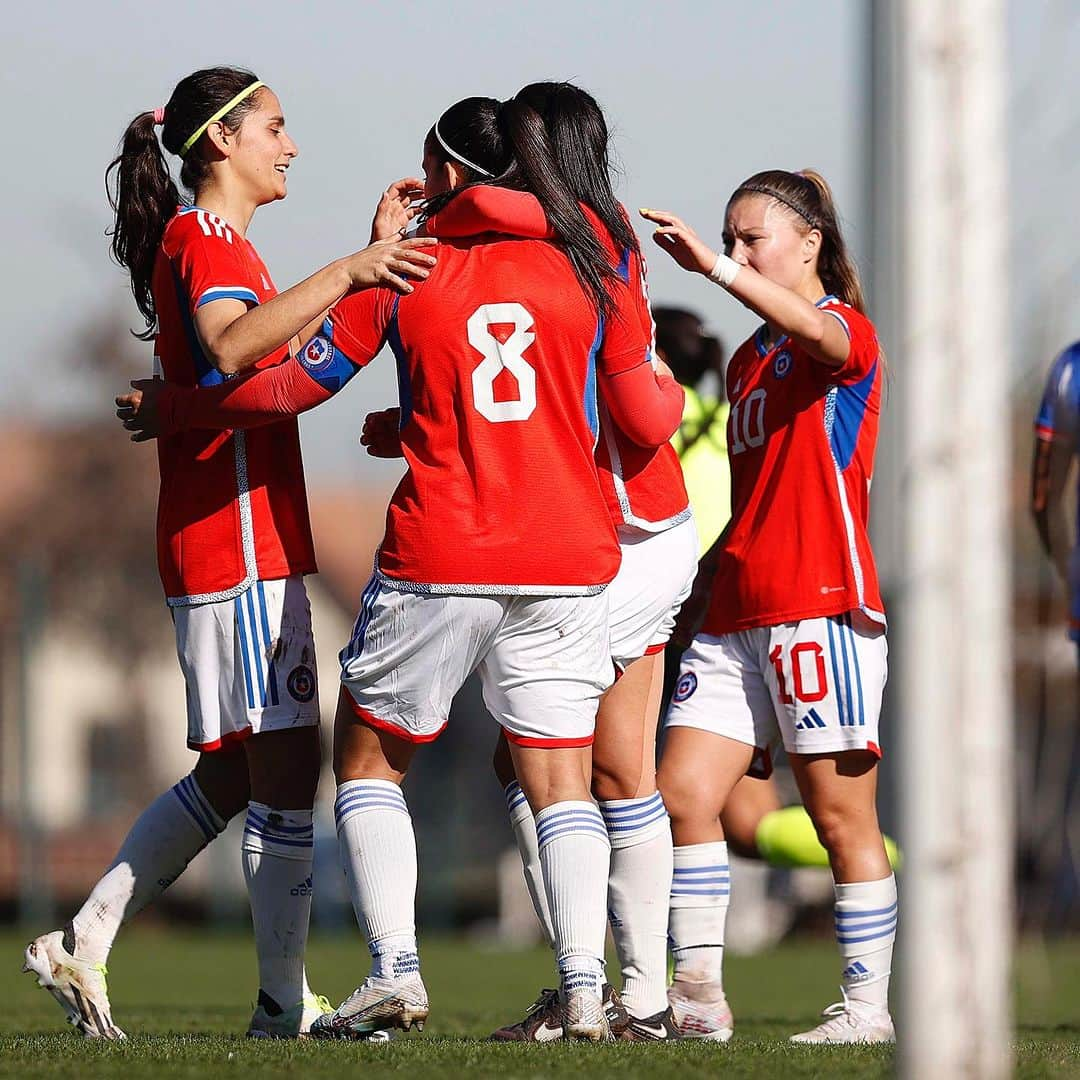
725	270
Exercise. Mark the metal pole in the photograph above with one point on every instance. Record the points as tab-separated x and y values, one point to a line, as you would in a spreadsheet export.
956	732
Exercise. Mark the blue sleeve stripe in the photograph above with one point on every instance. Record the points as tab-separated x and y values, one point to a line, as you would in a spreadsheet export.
227	292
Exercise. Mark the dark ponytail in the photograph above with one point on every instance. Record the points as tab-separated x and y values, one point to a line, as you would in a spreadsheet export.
508	142
579	141
140	187
807	198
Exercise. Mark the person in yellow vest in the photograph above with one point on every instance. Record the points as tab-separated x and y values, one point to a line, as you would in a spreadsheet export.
756	823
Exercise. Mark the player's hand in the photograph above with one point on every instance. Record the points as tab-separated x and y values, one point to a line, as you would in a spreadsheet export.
381	435
138	411
399	204
681	242
390	263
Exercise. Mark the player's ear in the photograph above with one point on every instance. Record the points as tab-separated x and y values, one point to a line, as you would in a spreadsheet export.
222	139
456	175
811	244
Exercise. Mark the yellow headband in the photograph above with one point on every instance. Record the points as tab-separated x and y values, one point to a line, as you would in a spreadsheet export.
194	138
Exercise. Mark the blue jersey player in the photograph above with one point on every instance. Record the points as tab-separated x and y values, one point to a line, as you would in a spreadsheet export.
1057	444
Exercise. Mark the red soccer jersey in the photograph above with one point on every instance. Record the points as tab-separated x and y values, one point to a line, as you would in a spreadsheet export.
801	439
643	485
232	508
497	356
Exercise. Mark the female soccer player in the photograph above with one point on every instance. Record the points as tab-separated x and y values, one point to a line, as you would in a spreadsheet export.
233	540
498	545
794	638
647	501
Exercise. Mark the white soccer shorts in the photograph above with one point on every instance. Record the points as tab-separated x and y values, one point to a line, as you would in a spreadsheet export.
543	662
655	577
816	684
249	664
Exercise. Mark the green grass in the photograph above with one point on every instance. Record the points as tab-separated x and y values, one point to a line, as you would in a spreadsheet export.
183	997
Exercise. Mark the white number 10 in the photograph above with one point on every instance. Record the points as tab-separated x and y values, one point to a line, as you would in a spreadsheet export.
502	354
749	416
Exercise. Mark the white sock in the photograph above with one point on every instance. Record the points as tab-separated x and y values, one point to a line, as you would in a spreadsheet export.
166	836
276	852
524	826
865	931
700	891
574	855
378	853
639	886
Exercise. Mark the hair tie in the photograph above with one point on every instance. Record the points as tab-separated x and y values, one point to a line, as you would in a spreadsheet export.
159	116
461	160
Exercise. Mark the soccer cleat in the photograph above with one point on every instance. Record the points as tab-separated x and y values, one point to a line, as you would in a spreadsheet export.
850	1021
543	1020
697	1016
376	1005
78	985
655	1028
584	1018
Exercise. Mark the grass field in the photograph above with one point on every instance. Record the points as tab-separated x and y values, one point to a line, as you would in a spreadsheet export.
183	998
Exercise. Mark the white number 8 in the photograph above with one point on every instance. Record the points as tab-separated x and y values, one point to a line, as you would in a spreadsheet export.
502	354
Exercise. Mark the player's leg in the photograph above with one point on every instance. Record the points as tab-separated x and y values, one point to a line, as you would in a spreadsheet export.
275	693
542	679
827	678
408	656
639	879
720	713
523	826
839	792
168	834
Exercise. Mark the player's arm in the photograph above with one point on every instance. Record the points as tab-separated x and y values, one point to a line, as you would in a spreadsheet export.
234	337
645	402
644	399
1052	465
823	336
353	333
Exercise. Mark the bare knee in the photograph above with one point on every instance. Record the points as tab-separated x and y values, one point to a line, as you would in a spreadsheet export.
284	767
620	779
222	777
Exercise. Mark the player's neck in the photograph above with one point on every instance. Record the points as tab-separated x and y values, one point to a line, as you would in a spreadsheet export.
231	206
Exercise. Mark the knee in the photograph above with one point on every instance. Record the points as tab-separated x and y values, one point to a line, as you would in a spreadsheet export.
610	782
842	832
682	796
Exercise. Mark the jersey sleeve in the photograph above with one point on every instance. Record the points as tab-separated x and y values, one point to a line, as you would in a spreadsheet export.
351	335
209	260
864	349
357	325
625	342
1058	418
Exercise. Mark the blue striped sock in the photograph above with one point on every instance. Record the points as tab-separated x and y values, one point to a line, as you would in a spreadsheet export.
866	915
700	892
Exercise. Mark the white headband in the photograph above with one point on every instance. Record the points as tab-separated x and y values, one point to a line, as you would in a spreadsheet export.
458	157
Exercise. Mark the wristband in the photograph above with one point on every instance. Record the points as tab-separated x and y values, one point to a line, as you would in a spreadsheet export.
725	270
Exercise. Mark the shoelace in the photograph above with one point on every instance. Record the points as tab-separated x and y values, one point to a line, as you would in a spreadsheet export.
547	999
320	1002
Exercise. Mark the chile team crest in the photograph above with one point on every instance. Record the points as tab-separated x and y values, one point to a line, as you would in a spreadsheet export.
782	363
301	683
317	354
686	685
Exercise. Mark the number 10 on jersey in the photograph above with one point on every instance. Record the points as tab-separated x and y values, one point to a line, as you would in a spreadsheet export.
502	354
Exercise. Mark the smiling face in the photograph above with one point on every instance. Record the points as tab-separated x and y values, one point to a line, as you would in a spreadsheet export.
262	150
762	233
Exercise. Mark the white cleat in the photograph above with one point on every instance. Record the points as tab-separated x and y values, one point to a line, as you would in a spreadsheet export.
850	1021
78	985
700	1012
376	1005
584	1018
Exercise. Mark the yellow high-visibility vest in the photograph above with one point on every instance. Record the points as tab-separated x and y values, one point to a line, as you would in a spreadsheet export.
701	443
